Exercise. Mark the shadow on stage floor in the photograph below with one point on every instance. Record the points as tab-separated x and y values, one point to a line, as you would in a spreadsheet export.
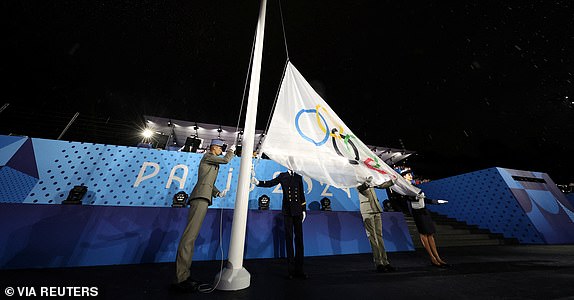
485	272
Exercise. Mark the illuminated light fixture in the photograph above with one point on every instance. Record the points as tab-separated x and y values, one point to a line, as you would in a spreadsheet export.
263	202
147	133
76	194
179	199
325	204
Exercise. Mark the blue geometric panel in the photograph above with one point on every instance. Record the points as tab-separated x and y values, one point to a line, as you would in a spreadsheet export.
521	204
24	160
15	185
8	146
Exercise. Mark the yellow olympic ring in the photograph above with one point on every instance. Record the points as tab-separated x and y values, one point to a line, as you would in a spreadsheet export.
335	135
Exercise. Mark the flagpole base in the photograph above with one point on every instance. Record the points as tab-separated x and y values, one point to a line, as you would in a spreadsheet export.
233	279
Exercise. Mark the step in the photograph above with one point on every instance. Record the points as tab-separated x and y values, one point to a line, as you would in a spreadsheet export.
453	233
481	236
453	243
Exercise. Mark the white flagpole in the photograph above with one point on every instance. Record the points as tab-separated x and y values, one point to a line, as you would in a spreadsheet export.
234	276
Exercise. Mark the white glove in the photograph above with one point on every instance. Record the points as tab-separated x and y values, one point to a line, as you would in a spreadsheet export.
304	215
231	148
442	201
222	194
254	181
420	196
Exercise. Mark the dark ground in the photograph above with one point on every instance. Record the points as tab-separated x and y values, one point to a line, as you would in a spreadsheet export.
485	272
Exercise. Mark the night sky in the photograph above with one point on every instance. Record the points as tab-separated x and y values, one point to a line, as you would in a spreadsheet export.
467	84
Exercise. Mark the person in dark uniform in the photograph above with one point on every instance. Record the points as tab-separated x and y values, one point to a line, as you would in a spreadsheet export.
293	209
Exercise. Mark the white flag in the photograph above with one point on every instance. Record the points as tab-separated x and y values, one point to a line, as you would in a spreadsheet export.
306	136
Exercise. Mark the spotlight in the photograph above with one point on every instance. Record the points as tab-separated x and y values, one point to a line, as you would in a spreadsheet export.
179	199
76	194
147	133
325	204
191	144
263	202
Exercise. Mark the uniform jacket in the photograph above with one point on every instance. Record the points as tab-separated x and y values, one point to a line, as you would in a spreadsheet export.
294	203
206	175
368	201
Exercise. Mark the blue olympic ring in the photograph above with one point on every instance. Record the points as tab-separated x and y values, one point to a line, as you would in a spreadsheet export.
301	132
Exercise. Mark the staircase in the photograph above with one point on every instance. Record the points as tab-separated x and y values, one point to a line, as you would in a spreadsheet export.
453	233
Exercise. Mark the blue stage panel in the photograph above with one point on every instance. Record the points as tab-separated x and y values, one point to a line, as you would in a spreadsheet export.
38	236
518	204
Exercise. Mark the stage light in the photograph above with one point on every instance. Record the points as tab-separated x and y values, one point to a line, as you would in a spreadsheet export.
191	144
76	194
179	199
325	204
263	202
147	133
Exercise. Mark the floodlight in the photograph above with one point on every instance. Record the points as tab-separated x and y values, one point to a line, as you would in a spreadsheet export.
179	199
325	204
147	133
76	194
263	202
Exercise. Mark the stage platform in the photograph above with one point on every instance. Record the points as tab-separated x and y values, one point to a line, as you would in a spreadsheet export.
486	272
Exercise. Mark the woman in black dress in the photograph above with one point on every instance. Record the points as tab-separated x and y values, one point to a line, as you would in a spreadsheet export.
424	223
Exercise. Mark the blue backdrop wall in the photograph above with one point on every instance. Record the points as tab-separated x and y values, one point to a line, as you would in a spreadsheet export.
43	171
127	216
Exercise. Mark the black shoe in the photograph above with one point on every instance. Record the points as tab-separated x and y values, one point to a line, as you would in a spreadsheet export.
380	268
389	268
187	286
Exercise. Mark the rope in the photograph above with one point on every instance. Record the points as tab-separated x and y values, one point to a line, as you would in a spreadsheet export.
276	97
258	158
245	86
207	288
283	27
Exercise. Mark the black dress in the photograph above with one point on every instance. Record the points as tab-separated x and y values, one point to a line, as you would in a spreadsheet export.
423	220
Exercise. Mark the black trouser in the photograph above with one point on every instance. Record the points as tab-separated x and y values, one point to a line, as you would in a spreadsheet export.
294	225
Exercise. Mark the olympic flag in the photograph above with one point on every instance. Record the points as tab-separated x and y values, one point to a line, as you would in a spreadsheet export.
306	136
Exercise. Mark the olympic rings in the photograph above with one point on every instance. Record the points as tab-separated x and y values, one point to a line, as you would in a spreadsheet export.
304	135
336	133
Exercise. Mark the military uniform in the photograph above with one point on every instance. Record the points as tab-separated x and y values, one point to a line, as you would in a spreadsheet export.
292	208
371	213
200	199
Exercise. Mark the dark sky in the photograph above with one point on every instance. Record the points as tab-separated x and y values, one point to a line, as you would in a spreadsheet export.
467	84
